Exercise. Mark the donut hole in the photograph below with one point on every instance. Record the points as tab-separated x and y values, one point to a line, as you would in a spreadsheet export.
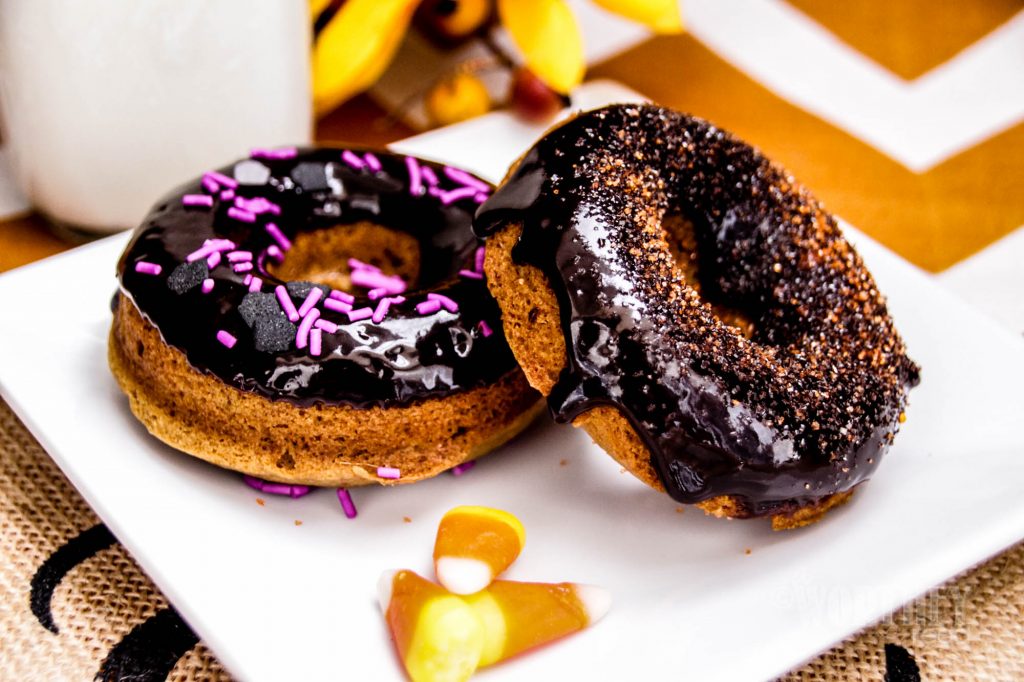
322	255
681	238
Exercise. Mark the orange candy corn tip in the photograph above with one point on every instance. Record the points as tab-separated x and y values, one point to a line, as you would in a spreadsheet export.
475	544
521	616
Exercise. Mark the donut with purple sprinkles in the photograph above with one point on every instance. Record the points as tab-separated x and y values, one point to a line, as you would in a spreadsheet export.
318	317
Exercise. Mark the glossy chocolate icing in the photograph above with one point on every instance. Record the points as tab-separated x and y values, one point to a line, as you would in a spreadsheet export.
404	357
803	409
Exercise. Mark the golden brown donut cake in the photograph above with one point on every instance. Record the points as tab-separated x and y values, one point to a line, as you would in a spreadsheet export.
318	317
698	312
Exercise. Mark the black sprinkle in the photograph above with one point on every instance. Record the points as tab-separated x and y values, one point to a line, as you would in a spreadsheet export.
188	276
251	172
73	552
148	653
259	305
274	334
301	289
900	665
310	176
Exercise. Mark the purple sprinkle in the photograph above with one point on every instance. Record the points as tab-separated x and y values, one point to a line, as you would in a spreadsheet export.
213	260
275	232
254	482
430	176
460	469
221	179
258	205
207	285
210	185
204	200
480	198
227	195
464	178
448	304
351	159
326	325
255	284
315	341
210	246
346	503
469	274
270	488
202	252
300	490
302	335
435	191
280	153
485	328
381	311
226	338
428	307
373	162
478	260
395	300
274	252
286	303
356	264
360	314
392	284
374	294
415	181
236	256
311	298
342	296
147	268
337	306
388	472
243	215
456	194
247	281
244	266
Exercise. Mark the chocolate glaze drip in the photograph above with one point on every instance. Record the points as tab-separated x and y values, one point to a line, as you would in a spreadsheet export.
803	409
405	357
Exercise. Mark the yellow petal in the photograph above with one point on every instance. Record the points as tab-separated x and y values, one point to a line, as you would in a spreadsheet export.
545	31
317	6
660	15
356	46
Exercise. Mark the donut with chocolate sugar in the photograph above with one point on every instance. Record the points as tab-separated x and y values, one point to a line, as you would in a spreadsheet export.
698	312
318	317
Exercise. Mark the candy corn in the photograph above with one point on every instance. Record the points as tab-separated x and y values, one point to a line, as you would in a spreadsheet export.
475	544
439	637
520	616
442	637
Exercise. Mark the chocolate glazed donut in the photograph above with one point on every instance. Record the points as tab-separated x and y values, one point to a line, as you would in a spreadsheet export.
318	316
698	312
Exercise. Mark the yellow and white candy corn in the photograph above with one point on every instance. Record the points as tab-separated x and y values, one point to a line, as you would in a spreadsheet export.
439	637
521	616
474	545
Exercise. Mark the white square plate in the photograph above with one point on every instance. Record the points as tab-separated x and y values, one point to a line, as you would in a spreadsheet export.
279	601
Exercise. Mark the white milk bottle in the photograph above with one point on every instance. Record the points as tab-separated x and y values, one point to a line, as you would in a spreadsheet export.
106	104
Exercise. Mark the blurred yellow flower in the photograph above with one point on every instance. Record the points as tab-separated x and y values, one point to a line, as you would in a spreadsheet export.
360	40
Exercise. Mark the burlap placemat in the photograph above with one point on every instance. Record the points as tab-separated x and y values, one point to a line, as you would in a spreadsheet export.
75	606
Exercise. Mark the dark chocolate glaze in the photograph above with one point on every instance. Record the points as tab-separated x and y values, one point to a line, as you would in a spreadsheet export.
803	409
405	357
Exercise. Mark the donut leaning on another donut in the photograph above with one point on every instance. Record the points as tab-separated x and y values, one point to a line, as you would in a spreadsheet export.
698	312
318	317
